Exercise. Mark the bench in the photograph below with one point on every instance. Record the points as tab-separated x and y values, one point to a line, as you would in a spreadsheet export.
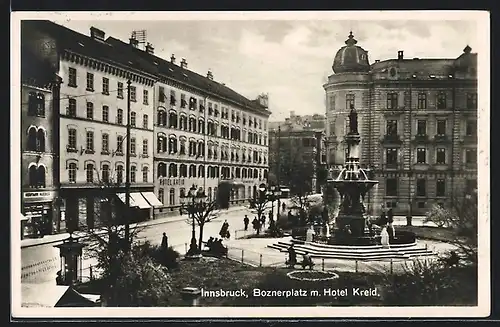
301	263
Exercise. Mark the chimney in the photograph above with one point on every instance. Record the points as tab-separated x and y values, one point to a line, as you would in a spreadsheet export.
134	42
184	63
96	34
400	55
210	76
172	58
149	48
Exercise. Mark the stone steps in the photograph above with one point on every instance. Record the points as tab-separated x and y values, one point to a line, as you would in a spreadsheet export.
367	253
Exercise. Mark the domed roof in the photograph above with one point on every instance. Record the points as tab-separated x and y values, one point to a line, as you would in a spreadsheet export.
351	58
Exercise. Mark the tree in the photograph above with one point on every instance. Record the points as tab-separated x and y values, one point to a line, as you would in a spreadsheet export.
460	214
259	203
202	211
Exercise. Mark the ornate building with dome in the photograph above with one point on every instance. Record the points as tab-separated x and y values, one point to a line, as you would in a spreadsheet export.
418	125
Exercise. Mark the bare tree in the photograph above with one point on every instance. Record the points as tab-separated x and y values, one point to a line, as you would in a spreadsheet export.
201	213
259	203
460	214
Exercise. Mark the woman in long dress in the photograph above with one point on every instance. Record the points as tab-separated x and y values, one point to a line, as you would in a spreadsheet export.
384	237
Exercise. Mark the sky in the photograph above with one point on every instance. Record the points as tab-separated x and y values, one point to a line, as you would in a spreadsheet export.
288	59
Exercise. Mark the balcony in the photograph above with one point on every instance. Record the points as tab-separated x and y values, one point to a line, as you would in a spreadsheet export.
441	138
391	139
421	139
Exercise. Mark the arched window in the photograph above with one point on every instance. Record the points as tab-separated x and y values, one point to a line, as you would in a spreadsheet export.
72	172
172	119
201	171
133	172
172	145
255	173
183	170
238	172
32	177
162	169
201	126
172	170
119	174
192	171
89	169
209	194
90	110
133	118
265	174
72	138
192	124
40	140
161	143
41	176
145	172
172	196
105	173
119	116
32	139
161	118
201	149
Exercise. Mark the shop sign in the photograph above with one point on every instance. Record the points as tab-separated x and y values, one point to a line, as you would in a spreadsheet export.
42	196
172	181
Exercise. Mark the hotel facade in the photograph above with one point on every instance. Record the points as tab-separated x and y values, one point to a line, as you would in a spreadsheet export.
186	129
418	125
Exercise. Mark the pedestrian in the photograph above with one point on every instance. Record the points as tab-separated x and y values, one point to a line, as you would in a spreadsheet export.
283	207
164	241
224	231
246	221
263	219
255	222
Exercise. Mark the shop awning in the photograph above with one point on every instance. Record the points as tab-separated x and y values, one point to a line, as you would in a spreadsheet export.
121	196
152	199
140	201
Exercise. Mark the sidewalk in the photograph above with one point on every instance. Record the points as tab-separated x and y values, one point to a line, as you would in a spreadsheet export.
50	239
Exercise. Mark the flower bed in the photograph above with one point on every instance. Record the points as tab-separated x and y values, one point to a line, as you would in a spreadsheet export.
312	275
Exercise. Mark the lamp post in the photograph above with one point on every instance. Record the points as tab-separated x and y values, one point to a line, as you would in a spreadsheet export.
194	202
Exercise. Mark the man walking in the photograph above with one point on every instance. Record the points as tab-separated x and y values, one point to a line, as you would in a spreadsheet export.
246	221
164	241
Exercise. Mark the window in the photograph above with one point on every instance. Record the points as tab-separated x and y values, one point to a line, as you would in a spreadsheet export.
72	138
161	195
105	114
392	128
90	142
422	101
192	103
105	86
132	118
421	205
349	101
72	77
32	139
391	187
105	173
133	171
183	101
440	187
90	110
90	82
145	148
421	155
440	156
391	156
71	110
119	116
441	127
172	197
90	173
145	172
119	144
421	187
173	100
392	100
145	96
161	94
441	100
421	127
72	172
471	100
105	143
40	141
33	176
119	174
331	100
145	121
133	94
470	128
36	104
132	146
471	156
119	93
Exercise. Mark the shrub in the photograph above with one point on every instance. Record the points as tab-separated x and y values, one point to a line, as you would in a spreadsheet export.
142	282
168	257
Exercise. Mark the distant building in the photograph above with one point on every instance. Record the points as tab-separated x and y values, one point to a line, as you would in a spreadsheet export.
298	122
39	169
418	124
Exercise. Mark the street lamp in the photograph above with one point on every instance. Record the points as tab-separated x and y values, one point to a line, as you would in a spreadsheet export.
194	203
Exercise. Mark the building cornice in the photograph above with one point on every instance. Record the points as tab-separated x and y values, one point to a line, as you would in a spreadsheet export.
112	68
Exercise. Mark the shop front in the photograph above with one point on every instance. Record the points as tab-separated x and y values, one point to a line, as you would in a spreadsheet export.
39	214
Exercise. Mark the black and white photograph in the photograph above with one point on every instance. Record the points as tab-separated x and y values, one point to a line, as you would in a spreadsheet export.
250	164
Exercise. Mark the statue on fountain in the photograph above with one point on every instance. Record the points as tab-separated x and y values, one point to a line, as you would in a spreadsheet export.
353	121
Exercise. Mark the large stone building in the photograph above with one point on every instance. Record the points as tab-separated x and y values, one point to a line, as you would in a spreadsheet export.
39	169
316	122
204	132
418	124
185	128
